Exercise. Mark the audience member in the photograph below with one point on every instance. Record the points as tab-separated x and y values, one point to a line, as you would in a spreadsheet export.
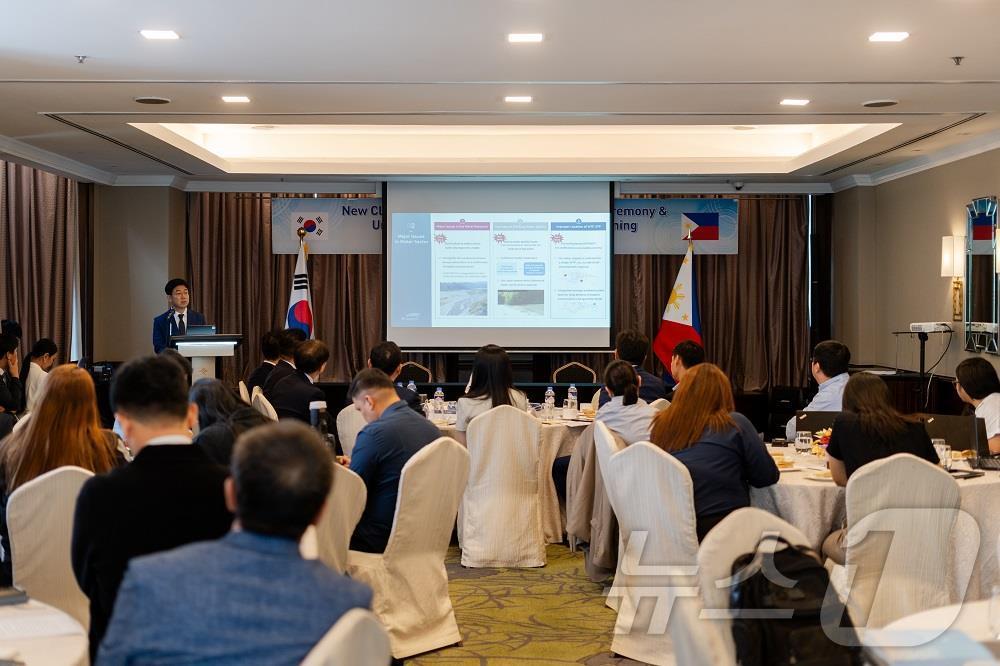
170	495
250	597
34	371
270	348
11	391
387	357
291	396
182	361
977	385
686	355
632	346
393	434
829	364
64	430
290	339
868	429
719	446
626	413
11	327
492	385
222	417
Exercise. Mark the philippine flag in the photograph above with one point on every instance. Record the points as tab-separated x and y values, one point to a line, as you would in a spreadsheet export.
680	317
701	226
300	309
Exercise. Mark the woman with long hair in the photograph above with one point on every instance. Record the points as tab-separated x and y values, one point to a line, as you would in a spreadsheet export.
625	413
34	371
719	446
491	385
869	428
977	385
222	417
64	430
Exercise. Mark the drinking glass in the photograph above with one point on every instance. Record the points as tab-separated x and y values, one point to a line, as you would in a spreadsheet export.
803	441
995	612
943	452
569	411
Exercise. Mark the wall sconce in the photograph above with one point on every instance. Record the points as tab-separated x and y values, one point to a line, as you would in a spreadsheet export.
953	266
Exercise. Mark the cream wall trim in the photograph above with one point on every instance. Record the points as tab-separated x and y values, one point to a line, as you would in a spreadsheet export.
19	151
695	187
847	182
357	187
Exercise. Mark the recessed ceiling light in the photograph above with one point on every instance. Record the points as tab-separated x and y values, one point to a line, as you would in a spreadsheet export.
148	99
262	127
744	128
235	99
159	34
525	37
517	99
879	103
794	102
888	36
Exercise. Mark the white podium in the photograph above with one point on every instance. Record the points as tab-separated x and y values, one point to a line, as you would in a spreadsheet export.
203	350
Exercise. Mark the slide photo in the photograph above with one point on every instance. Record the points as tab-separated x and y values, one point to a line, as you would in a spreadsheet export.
462	299
521	302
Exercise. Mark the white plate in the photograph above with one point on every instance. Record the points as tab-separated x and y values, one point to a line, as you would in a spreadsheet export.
789	469
816	476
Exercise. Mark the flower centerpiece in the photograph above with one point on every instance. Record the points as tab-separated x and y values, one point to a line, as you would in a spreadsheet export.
821	438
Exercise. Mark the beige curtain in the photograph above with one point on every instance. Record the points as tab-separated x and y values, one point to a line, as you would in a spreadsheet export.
38	253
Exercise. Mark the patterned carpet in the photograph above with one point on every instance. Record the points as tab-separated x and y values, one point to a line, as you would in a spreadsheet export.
549	615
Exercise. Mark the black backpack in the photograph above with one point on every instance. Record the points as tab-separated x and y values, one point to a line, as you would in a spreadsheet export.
798	636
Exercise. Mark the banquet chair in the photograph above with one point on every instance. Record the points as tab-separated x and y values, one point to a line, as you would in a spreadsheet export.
501	513
409	579
595	400
898	558
412	370
40	522
660	404
330	539
356	639
607	445
22	422
738	533
574	372
349	424
653	498
263	405
257	390
244	392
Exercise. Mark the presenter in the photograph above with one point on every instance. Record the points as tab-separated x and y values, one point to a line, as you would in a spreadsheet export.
177	318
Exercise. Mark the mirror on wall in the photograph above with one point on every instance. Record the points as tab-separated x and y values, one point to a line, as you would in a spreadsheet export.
981	293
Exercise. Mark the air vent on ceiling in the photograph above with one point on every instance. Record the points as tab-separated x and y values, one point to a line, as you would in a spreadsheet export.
152	100
880	103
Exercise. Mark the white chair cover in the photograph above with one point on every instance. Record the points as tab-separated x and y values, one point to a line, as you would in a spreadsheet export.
607	446
595	400
21	422
344	506
653	497
40	522
737	534
256	390
263	405
409	580
349	424
899	567
660	404
501	517
357	639
244	393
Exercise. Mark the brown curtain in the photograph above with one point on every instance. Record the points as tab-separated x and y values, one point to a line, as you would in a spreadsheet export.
38	253
243	288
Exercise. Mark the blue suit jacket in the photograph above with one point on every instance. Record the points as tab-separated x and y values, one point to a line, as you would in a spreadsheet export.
244	599
164	326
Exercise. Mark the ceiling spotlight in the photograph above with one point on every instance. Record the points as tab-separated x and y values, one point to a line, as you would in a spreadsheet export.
880	103
525	37
794	102
152	100
888	36
517	99
743	128
262	127
235	99
81	59
159	34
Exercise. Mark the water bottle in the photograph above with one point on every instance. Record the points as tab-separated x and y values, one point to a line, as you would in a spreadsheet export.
573	402
412	386
439	400
317	418
550	403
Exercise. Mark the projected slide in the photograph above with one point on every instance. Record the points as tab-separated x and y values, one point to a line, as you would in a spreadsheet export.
500	270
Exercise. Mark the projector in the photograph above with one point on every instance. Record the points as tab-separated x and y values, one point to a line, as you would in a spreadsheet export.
929	327
982	327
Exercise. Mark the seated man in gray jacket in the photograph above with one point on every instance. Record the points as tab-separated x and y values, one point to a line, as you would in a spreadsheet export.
248	598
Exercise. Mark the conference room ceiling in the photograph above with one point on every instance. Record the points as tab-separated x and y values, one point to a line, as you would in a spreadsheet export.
661	67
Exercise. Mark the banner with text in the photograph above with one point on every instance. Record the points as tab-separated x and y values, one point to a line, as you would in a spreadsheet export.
663	226
333	226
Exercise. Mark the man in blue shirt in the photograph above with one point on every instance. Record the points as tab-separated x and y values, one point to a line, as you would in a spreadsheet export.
248	598
829	364
393	434
632	346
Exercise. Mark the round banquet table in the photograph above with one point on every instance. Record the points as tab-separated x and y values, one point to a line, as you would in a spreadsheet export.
818	507
558	438
39	634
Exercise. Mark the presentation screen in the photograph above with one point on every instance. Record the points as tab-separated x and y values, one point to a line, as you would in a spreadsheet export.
521	265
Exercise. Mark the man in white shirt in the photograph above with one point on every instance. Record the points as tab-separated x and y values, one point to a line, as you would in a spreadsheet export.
178	317
977	384
829	364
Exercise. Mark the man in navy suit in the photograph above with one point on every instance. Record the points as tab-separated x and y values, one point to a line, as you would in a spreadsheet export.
632	346
250	597
289	341
291	396
176	319
387	357
270	349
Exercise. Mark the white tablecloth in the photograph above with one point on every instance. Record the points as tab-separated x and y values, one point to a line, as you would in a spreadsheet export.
558	439
41	635
972	619
818	507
